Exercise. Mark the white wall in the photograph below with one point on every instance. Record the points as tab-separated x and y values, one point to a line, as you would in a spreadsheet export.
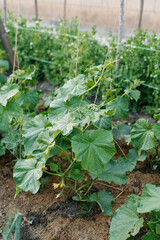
103	13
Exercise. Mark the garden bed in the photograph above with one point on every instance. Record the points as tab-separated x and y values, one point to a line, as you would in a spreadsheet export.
47	218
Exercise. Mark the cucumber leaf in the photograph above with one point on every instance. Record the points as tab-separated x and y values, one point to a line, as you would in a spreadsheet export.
64	124
7	113
120	105
77	173
27	173
150	199
31	131
126	221
7	92
29	99
94	149
135	94
142	135
74	87
61	107
115	171
121	130
104	122
104	199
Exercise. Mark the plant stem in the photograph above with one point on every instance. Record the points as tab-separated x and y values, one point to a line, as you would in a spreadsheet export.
90	186
85	185
53	174
59	165
69	168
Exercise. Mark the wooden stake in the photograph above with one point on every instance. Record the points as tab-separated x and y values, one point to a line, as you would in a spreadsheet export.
36	8
7	45
64	14
141	14
5	11
120	33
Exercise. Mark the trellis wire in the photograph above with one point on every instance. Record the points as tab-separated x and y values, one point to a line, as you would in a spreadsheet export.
92	39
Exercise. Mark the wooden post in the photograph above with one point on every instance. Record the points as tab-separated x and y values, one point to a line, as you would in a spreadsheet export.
141	14
64	14
120	32
7	45
5	11
36	8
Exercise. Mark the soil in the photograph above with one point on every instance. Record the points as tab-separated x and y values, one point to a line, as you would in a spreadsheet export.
46	217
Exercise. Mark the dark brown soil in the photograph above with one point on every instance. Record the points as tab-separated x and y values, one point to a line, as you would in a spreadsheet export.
48	218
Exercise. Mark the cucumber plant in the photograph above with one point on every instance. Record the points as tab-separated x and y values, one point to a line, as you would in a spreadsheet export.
128	219
73	129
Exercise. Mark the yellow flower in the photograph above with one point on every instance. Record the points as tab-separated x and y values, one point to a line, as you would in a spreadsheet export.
61	186
55	185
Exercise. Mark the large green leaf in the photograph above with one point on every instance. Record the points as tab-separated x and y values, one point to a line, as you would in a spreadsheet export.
150	199
94	149
126	221
31	131
29	99
27	173
104	199
7	92
115	171
142	135
120	105
75	87
7	113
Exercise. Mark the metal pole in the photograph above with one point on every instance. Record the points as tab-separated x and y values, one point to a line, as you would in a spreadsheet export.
7	45
141	14
64	14
5	11
36	9
120	32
